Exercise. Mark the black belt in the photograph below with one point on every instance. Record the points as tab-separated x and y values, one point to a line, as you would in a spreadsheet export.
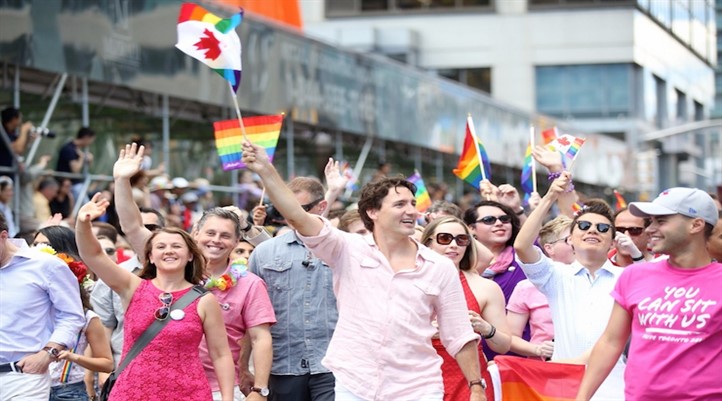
10	367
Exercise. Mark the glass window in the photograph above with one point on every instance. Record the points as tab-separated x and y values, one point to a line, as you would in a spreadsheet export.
340	6
371	5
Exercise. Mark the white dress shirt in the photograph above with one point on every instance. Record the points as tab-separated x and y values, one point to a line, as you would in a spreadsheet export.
581	306
39	303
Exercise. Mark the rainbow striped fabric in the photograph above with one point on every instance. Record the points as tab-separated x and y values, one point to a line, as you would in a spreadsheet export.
211	40
261	130
423	200
527	185
468	168
534	380
568	145
620	202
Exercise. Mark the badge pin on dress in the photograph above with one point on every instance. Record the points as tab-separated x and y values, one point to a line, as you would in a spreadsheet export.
225	306
177	314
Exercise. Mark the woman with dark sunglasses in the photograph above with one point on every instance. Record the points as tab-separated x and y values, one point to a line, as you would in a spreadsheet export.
450	237
169	368
578	293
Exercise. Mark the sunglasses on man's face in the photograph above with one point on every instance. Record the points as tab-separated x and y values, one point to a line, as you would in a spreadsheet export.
109	251
586	225
152	227
446	238
633	231
491	220
166	299
307	207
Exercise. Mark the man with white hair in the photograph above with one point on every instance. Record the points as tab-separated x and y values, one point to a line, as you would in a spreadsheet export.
672	308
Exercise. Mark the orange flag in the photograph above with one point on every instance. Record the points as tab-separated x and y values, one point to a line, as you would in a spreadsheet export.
533	380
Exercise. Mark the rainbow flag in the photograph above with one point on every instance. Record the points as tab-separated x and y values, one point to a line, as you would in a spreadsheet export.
620	202
423	200
527	184
548	135
211	40
468	168
261	130
568	145
533	380
577	207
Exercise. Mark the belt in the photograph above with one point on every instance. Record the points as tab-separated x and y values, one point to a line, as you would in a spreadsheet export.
10	367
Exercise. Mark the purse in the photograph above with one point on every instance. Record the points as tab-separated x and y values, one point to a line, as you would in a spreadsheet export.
148	335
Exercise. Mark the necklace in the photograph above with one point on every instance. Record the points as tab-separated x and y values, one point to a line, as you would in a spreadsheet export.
238	269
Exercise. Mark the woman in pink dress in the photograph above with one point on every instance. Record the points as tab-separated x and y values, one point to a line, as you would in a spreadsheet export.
449	236
169	367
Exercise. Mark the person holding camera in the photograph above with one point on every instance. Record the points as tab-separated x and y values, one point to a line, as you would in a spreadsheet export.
17	135
74	155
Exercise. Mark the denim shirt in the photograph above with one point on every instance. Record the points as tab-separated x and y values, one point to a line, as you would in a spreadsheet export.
301	290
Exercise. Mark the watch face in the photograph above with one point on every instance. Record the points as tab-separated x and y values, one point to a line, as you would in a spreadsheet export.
265	392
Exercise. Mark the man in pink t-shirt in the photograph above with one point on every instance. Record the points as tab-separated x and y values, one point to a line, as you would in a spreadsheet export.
672	308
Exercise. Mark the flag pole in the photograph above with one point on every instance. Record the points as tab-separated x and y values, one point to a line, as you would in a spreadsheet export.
533	162
238	112
472	130
263	195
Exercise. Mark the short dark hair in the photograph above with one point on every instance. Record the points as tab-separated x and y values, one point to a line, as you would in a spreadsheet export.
62	239
307	184
85	132
596	206
161	219
471	215
106	230
373	193
9	113
194	269
222	214
47	182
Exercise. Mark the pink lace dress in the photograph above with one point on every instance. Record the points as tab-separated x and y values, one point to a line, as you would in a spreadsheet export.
169	367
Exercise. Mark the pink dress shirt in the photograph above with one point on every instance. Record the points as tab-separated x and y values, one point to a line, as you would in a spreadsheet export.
381	348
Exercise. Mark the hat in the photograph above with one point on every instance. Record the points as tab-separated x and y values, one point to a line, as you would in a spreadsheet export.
159	182
189	197
180	182
690	202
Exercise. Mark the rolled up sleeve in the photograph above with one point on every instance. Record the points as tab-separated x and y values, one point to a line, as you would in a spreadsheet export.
540	273
69	319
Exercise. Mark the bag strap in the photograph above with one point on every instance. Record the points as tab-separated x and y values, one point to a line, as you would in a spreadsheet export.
149	334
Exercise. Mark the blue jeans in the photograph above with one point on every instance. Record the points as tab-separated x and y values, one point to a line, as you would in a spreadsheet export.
69	392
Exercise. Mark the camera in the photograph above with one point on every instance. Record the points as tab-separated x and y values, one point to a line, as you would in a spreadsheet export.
42	132
273	217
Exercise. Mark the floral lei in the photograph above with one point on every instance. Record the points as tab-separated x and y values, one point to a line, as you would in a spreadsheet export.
238	269
79	269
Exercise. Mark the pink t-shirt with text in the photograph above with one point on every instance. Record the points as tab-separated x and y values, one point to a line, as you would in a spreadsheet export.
676	348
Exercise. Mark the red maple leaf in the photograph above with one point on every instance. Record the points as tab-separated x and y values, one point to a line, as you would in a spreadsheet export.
563	141
210	44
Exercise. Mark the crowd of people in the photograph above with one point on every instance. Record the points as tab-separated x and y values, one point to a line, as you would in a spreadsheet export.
312	299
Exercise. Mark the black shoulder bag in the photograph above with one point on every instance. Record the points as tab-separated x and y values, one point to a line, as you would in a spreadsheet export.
148	335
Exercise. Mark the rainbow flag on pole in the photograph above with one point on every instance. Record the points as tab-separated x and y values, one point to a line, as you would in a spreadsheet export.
423	200
533	380
527	184
473	165
211	40
261	130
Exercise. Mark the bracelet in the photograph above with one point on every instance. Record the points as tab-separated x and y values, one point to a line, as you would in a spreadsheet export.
520	212
492	332
638	259
554	176
480	382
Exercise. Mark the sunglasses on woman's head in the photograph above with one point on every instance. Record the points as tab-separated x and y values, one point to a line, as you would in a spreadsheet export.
491	220
446	238
166	299
633	231
586	225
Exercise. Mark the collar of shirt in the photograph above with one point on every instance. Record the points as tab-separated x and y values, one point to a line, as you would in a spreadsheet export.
607	268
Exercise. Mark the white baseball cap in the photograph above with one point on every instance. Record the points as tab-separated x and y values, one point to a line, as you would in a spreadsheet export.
690	202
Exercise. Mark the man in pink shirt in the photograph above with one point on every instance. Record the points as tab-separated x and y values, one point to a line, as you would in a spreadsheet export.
672	308
389	289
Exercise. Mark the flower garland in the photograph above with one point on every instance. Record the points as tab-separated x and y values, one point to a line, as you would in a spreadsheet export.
238	269
79	269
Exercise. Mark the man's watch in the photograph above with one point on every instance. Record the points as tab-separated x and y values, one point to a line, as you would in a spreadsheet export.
54	353
480	382
264	391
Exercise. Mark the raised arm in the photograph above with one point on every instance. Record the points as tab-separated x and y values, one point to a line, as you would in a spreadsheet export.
283	199
120	280
552	160
127	165
336	183
524	244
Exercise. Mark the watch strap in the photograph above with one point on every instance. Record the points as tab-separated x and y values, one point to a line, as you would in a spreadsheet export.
480	382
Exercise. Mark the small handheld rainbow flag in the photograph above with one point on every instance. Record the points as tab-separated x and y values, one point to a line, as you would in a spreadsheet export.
211	40
620	202
473	165
532	380
261	130
423	200
568	145
527	184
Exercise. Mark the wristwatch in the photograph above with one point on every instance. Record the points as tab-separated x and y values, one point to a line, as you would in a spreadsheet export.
52	351
480	382
264	391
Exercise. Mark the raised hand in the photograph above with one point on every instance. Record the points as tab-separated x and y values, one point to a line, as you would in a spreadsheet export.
129	161
93	209
550	159
488	190
258	214
626	246
334	179
509	196
560	184
534	200
255	157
